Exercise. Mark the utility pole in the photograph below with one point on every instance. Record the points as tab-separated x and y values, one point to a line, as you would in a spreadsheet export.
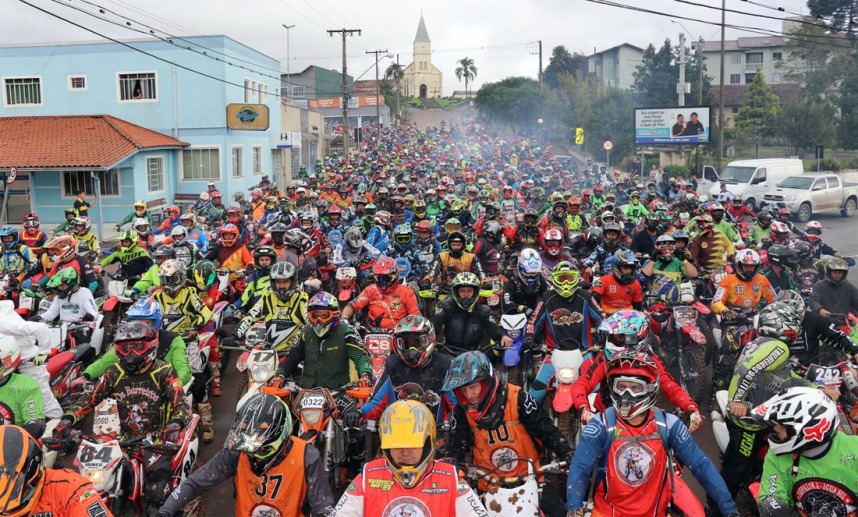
377	104
398	91
288	60
681	86
346	96
700	71
721	90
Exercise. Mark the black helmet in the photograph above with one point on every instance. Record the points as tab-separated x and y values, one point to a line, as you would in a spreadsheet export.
278	233
456	237
264	251
531	217
23	474
261	429
781	255
764	218
611	242
164	251
492	210
594	235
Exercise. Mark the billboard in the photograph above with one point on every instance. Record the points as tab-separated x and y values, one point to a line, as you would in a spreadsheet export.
247	117
686	125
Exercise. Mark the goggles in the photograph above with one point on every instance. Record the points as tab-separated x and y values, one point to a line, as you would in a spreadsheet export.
412	343
138	348
320	315
566	276
633	386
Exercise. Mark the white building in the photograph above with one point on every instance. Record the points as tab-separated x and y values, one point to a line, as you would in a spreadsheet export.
744	57
616	66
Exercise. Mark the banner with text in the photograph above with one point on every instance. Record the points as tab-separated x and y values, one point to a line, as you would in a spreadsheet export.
687	125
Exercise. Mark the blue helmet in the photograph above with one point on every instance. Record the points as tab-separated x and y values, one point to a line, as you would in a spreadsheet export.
529	267
7	231
470	368
146	309
624	330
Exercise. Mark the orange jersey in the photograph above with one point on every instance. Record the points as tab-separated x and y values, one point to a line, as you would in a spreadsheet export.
733	293
616	296
66	493
283	487
386	309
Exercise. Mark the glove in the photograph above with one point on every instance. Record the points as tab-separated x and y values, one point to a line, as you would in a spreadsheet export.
352	419
81	381
586	415
850	261
229	340
61	431
172	432
129	293
729	315
40	359
116	228
695	420
88	317
277	381
527	311
528	343
365	381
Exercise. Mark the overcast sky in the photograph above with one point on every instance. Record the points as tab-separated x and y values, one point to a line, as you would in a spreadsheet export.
495	34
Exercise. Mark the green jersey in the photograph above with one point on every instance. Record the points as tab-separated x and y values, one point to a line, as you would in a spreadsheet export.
22	395
820	487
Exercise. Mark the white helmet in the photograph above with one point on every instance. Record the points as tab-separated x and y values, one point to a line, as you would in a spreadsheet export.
138	222
810	418
10	357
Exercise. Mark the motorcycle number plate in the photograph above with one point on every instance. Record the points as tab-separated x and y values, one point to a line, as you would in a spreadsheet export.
828	376
379	345
98	456
25	302
313	402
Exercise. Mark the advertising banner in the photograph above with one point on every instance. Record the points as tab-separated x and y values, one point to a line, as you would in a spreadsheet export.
686	125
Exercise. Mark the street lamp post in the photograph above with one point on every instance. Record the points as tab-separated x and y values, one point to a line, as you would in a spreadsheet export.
378	57
288	61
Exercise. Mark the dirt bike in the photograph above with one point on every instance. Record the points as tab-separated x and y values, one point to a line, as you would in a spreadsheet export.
512	496
380	345
117	469
259	366
517	362
683	346
567	368
840	377
114	304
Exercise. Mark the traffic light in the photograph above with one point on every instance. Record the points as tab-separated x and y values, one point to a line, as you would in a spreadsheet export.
579	135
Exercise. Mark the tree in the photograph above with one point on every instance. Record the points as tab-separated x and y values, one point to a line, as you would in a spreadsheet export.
395	73
760	109
467	71
804	125
562	62
656	77
514	100
810	62
839	15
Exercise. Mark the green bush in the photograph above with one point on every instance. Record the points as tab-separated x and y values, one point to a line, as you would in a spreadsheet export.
676	171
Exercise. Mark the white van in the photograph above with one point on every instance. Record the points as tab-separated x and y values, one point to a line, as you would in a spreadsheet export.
751	179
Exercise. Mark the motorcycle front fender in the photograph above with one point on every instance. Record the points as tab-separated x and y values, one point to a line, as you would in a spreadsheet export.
685	500
110	304
511	357
562	401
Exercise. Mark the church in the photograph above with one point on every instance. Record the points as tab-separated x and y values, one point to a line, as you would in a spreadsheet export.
422	79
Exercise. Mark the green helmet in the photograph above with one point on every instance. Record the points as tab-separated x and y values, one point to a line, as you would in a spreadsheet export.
67	276
466	279
458	207
129	235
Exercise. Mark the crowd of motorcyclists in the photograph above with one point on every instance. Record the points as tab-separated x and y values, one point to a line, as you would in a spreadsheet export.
434	238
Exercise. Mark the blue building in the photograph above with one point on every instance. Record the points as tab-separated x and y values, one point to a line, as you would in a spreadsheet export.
218	102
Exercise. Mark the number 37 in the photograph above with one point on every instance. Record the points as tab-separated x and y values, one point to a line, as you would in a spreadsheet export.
275	479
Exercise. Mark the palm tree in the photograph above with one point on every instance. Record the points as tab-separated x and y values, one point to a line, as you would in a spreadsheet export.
466	70
395	73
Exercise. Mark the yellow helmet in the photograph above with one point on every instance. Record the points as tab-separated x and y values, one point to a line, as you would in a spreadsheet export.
139	207
407	424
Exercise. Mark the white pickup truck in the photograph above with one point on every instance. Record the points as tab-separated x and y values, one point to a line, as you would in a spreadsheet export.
804	194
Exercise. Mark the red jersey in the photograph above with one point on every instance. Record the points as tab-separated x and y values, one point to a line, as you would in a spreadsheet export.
616	296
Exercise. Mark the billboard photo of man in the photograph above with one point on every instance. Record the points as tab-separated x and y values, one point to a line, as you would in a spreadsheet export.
678	128
694	126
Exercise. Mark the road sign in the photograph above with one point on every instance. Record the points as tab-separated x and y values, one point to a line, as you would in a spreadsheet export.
731	152
608	145
13	173
820	152
579	135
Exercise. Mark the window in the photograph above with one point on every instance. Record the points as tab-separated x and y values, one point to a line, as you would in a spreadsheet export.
138	86
247	90
201	164
75	181
77	82
735	109
257	160
263	96
735	78
749	78
754	58
735	58
260	91
833	182
253	96
297	91
155	174
22	91
777	56
777	77
237	162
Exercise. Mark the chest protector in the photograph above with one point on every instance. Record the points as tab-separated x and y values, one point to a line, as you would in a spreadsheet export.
434	496
281	491
494	447
453	266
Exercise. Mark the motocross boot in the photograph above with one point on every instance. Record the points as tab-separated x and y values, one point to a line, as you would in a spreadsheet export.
205	411
217	390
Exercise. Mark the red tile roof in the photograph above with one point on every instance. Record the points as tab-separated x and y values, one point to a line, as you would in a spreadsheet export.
95	141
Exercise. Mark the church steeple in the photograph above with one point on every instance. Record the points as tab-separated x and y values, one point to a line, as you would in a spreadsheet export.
422	34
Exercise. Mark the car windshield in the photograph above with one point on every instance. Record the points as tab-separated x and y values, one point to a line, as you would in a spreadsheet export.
796	182
737	174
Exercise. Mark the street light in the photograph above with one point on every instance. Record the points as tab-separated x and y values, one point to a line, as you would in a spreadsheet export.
288	77
378	56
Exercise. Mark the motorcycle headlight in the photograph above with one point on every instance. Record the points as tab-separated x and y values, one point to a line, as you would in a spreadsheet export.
260	373
97	477
311	416
566	375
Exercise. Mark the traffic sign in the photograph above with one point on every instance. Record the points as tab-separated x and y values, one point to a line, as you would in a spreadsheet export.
731	152
579	135
608	145
13	173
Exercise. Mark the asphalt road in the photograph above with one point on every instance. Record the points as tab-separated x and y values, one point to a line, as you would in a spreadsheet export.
838	234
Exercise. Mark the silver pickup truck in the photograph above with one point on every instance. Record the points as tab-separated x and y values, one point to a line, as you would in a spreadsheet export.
804	194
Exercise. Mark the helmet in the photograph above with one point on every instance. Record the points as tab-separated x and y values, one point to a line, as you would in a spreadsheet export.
747	257
423	226
204	197
62	248
335	211
9	231
809	416
260	252
529	267
229	234
31	222
172	276
625	258
611	241
233	215
780	254
715	207
458	237
131	236
665	245
469	368
278	233
792	298
652	221
382	218
530	218
146	309
705	223
68	276
780	231
680	235
419	208
565	279
354	239
10	357
608	215
466	279
70	213
205	275
256	194
323	312
452	225
813	228
415	340
784	213
633	380
552	241
216	195
262	427
764	217
407	424
22	477
136	345
138	223
494	230
164	250
295	239
780	321
457	208
173	211
385	272
403	234
835	264
803	250
179	233
623	330
282	271
187	218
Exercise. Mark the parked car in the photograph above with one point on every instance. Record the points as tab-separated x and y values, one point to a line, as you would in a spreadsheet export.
805	194
751	179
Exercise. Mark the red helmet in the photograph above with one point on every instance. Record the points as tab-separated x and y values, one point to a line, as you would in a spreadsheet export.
233	215
174	210
780	231
385	273
228	234
552	242
423	226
